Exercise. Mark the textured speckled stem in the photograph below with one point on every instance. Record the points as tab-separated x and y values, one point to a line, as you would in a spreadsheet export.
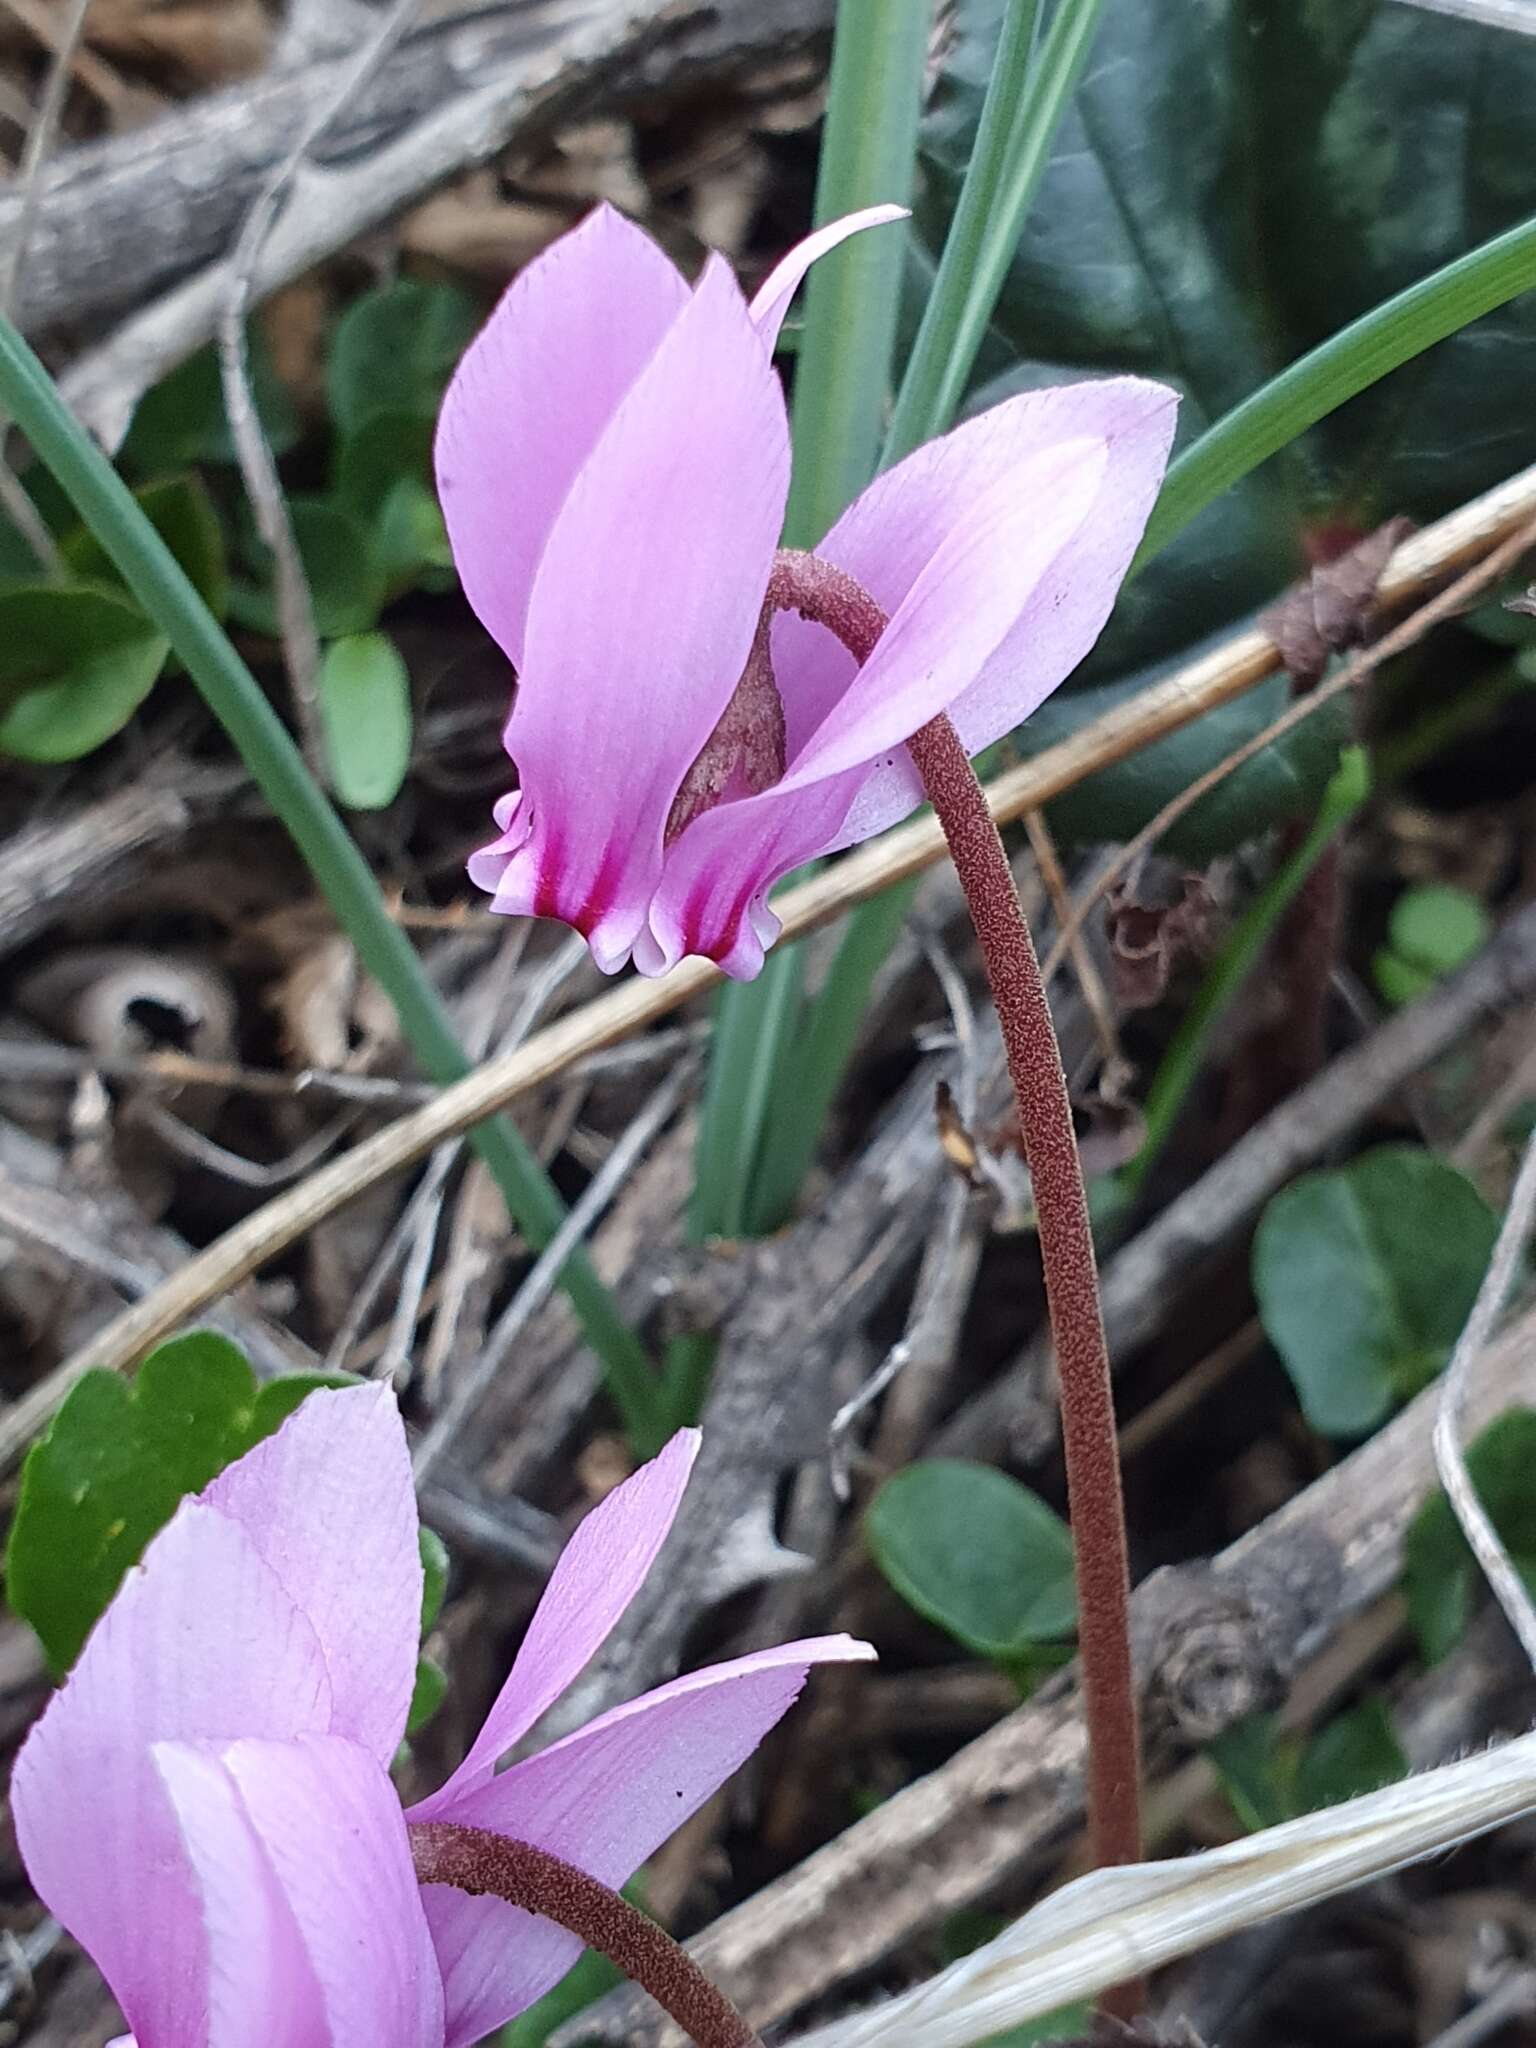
489	1865
814	588
1072	1286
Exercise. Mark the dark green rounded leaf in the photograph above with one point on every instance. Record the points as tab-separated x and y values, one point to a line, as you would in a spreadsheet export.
387	448
365	706
346	577
1364	1277
411	537
182	421
1383	141
1354	1753
1441	1577
976	1553
1285	781
1398	981
395	349
75	664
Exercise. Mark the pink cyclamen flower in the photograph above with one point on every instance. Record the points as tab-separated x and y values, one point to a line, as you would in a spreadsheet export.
206	1804
613	462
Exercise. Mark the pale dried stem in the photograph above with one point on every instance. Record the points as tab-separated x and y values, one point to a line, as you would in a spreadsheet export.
1487	1545
1095	996
1494	566
258	466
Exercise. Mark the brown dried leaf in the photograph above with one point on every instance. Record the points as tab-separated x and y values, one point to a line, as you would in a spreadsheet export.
333	1014
472	228
956	1141
1335	606
203	42
1155	919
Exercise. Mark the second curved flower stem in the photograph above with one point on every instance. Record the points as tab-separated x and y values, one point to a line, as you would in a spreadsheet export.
488	1865
1094	1495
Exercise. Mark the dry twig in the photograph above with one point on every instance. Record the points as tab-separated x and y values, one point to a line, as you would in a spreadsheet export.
1487	1545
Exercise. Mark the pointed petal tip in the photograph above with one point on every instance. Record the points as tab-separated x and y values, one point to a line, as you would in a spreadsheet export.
771	302
839	1649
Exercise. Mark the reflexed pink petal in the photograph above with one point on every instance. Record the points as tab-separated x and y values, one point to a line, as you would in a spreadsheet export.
964	599
599	1572
719	871
201	1642
783	281
605	1798
328	1502
961	602
641	618
316	1933
888	535
531	396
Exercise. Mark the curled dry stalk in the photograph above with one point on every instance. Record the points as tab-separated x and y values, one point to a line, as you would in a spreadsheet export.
816	590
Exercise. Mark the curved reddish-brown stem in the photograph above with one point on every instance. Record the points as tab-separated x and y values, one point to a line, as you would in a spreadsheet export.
804	583
475	1860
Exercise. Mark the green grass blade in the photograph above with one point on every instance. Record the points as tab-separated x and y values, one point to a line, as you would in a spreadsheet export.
813	1071
1027	94
868	154
1024	103
28	395
842	380
1339	369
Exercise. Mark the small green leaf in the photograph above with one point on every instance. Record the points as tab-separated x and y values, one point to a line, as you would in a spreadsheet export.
395	349
1364	1277
1441	1578
182	423
1438	928
427	1695
365	707
1354	1753
1065	2023
346	577
1398	981
1256	1768
181	512
386	448
75	664
411	538
1271	1776
434	1575
117	1459
976	1553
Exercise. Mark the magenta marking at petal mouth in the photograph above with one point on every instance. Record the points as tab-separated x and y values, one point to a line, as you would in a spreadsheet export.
546	894
602	895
